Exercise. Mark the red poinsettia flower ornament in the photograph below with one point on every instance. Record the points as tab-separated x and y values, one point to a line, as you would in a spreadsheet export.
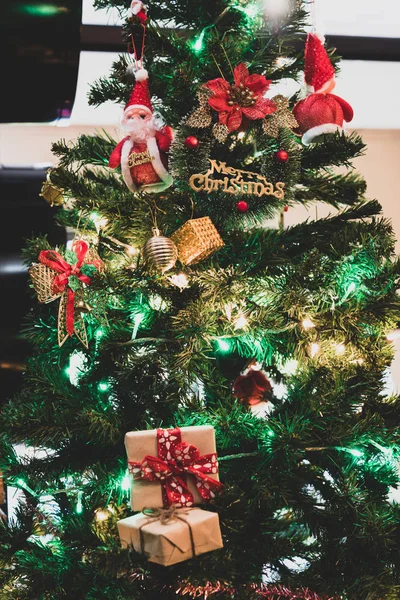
244	99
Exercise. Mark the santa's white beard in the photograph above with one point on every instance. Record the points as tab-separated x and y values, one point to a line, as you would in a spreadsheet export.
140	131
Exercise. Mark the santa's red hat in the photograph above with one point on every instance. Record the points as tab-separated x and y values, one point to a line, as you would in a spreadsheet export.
319	73
321	113
140	95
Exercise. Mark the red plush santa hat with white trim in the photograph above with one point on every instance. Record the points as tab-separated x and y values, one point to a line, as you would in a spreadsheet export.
140	95
321	112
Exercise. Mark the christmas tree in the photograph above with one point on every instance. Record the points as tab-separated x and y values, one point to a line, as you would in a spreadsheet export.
179	305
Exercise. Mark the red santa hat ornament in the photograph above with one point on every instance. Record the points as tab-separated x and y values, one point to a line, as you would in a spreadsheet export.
321	112
140	95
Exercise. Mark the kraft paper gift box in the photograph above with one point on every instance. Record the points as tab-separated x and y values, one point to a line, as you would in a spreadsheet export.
141	443
175	541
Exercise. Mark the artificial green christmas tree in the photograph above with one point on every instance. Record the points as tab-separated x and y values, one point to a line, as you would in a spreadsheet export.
182	314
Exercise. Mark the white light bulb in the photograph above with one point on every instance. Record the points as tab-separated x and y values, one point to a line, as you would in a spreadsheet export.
131	250
340	349
314	349
394	335
102	514
276	8
180	280
241	322
241	135
307	323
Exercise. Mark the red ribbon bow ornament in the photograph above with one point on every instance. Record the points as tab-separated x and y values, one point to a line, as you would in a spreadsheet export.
175	462
59	277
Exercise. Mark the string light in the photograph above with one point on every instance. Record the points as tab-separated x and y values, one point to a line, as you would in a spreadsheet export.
241	322
99	222
131	250
103	386
79	504
354	452
357	361
180	280
276	8
77	364
23	485
125	484
224	346
241	135
314	349
394	335
102	514
340	349
100	331
198	44
251	10
138	318
307	324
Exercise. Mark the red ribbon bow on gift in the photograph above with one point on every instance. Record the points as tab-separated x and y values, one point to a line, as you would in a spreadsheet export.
176	460
55	261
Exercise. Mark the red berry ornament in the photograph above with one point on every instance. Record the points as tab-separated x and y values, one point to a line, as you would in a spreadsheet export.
286	208
191	142
242	206
281	156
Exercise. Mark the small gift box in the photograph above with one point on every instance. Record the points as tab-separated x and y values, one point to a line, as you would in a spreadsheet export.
172	466
196	240
182	534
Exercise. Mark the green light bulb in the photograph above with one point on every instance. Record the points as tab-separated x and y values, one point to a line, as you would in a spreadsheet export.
79	504
99	332
198	44
224	346
125	482
103	386
356	453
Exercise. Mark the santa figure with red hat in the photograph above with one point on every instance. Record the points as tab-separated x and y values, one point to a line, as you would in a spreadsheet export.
142	153
321	112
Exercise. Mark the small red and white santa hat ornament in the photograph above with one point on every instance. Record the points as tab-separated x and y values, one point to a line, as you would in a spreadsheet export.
321	112
138	10
140	94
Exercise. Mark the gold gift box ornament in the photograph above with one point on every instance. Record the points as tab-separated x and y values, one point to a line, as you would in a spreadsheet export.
196	240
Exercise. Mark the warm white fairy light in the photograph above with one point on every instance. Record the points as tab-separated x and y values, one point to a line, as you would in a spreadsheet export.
394	335
357	361
131	250
180	280
241	322
241	135
102	514
314	349
99	221
275	9
307	324
340	349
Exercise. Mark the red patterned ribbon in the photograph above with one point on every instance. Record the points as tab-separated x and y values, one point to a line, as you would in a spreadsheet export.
175	461
55	261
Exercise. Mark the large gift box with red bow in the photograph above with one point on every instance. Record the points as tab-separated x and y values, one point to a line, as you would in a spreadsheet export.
172	467
170	539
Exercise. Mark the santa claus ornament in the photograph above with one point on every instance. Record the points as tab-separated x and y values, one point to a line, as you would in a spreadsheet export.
137	13
320	113
142	154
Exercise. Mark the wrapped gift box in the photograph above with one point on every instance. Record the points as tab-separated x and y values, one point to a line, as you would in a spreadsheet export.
192	532
141	443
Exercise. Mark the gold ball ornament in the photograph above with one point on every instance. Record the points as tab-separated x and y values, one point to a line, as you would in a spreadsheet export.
160	252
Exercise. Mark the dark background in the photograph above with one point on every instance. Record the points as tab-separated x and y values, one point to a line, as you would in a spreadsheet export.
39	49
